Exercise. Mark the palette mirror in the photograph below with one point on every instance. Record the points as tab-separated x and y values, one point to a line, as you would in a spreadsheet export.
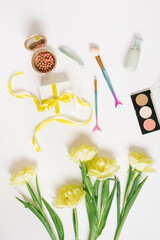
35	42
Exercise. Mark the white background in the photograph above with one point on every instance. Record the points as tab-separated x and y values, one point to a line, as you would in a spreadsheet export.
77	24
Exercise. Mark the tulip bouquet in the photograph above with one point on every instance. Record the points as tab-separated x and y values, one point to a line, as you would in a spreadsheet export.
103	170
98	189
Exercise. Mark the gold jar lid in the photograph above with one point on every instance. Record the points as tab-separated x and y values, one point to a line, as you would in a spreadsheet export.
35	42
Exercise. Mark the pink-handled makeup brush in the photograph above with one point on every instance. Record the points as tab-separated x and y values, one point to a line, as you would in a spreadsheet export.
96	105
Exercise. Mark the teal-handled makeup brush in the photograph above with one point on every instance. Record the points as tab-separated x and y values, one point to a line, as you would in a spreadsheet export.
95	51
96	105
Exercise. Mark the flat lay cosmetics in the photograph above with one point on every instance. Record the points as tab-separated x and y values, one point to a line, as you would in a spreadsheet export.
43	61
96	106
145	111
132	58
95	51
68	52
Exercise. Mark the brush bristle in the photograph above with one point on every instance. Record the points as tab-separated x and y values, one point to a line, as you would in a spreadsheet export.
94	51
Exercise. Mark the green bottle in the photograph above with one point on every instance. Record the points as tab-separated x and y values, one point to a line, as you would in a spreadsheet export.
132	58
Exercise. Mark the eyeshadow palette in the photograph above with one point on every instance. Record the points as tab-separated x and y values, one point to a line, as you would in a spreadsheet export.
145	112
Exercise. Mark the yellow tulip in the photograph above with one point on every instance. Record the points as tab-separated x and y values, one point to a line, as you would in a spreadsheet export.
82	153
69	196
102	168
141	162
23	176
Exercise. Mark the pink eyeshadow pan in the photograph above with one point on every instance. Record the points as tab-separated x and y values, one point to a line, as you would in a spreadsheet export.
149	124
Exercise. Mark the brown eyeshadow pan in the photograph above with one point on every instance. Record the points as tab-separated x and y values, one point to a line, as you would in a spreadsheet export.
141	99
145	112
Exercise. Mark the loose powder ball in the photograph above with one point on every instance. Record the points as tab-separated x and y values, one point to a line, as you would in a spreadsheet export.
44	62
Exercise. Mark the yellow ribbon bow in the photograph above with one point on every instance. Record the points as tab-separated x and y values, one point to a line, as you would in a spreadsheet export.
49	103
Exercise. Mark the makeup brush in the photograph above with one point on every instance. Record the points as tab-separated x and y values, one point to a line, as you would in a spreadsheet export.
95	51
96	105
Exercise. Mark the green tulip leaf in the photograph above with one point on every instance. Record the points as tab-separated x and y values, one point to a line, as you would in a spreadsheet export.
86	181
38	214
33	196
105	208
56	220
104	193
39	193
95	189
92	216
131	176
86	167
134	185
133	198
127	209
91	204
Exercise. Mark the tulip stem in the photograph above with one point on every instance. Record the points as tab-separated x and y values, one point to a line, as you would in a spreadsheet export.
118	201
128	201
129	182
75	223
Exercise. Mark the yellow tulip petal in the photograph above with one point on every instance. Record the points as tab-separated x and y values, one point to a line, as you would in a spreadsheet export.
82	153
102	168
69	196
23	176
141	162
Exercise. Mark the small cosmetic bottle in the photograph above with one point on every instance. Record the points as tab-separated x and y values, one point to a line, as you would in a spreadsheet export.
132	58
43	60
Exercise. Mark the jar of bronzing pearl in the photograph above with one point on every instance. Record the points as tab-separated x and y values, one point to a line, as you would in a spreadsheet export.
43	61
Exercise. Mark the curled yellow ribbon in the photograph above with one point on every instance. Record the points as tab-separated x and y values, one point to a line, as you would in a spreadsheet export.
49	103
23	96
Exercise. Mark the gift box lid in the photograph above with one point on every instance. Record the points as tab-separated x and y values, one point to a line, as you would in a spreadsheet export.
46	91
